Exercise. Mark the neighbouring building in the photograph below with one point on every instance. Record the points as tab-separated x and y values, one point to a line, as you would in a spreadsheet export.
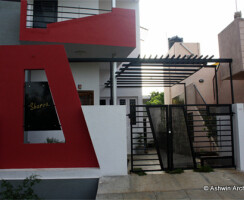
201	86
231	44
196	84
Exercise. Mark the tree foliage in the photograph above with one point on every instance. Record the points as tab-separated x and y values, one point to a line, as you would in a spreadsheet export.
156	98
24	191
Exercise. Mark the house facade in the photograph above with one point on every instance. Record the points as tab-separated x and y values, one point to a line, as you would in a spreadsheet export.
39	43
98	31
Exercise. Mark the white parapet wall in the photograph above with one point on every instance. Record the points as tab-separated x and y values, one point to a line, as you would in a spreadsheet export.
107	128
238	131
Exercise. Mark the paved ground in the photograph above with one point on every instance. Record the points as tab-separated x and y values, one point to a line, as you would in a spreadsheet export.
188	185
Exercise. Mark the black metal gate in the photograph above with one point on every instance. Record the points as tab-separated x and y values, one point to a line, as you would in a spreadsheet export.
166	137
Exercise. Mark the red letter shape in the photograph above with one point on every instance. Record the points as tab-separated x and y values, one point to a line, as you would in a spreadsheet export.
78	150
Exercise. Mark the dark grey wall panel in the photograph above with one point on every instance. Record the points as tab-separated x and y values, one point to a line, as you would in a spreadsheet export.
64	188
9	23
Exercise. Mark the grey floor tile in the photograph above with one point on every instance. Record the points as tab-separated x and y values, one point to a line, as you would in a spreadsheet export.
201	194
151	183
116	184
109	196
177	194
190	180
231	194
140	195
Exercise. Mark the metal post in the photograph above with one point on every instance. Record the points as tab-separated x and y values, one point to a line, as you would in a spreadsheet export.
185	93
170	140
113	3
216	85
231	84
131	141
145	133
232	138
114	84
111	84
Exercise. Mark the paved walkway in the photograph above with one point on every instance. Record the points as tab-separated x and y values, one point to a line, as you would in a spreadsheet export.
188	185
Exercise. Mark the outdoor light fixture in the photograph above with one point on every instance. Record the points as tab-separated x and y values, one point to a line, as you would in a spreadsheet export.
79	86
201	80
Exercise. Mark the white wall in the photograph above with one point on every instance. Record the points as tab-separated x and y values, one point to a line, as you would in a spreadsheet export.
238	132
121	92
87	74
107	127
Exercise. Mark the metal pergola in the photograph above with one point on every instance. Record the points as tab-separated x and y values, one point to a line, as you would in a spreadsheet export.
158	72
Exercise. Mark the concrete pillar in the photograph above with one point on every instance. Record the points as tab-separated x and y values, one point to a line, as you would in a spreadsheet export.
238	133
113	3
114	84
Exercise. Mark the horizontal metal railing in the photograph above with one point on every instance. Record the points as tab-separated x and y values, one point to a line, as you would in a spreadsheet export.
211	132
37	19
144	155
183	136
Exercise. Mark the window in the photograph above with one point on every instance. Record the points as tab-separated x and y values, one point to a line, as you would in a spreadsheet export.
45	12
132	102
122	102
41	121
86	97
102	101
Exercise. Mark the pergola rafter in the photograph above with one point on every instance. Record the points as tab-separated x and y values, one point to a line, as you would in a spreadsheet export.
155	72
158	72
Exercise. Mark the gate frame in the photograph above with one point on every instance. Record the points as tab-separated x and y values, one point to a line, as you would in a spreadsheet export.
170	133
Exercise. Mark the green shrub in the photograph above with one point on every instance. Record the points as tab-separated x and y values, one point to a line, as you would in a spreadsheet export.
139	172
156	98
23	191
204	169
175	171
53	140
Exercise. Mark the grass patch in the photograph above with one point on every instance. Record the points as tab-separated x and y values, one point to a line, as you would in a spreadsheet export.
175	171
205	169
139	172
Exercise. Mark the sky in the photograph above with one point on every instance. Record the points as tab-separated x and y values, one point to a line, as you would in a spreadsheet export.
194	20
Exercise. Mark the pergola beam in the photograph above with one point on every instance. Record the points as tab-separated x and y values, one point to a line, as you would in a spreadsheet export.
169	69
166	60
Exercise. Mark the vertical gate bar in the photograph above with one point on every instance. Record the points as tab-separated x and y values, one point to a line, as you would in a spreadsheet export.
111	84
216	85
185	93
145	131
131	141
231	84
170	141
167	134
188	133
154	137
232	141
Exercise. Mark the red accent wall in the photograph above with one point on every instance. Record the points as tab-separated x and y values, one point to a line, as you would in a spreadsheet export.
78	150
117	28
